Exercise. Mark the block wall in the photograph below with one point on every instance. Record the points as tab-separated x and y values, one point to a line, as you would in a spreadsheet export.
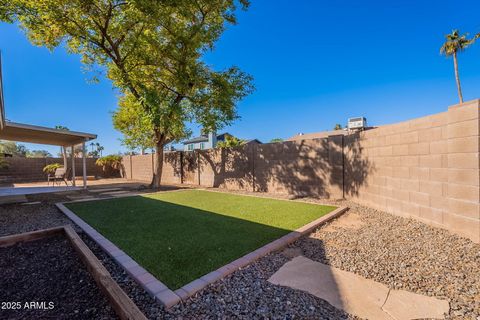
31	169
426	168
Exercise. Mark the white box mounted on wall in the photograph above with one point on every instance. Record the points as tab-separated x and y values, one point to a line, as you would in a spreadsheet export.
357	123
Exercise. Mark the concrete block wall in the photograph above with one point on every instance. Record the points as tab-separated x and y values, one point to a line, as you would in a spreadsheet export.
139	167
305	167
172	167
232	169
463	191
308	167
31	169
426	168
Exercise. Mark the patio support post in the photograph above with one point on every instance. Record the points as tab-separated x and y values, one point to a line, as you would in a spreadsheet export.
73	165
84	160
64	155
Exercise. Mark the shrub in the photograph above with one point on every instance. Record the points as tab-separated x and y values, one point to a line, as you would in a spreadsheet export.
51	168
114	161
231	142
3	163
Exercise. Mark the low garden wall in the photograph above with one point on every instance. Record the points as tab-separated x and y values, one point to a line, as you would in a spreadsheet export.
425	168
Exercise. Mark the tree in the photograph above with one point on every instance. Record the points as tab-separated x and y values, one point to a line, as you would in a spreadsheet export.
274	140
456	43
230	142
100	149
38	154
338	126
152	51
97	152
10	147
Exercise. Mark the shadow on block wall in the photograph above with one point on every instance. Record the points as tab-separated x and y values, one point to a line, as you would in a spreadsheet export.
298	168
230	168
356	165
331	167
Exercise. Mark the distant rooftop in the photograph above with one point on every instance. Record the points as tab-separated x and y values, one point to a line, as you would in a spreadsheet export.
322	134
204	138
317	135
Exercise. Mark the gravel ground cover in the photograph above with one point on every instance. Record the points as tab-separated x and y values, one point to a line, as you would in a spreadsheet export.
244	295
48	271
401	253
15	218
404	254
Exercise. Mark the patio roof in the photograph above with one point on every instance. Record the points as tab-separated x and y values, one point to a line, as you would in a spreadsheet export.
36	134
42	135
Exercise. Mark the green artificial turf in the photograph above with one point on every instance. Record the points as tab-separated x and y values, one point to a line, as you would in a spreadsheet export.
180	236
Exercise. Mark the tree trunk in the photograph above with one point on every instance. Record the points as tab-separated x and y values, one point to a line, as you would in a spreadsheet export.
158	165
457	78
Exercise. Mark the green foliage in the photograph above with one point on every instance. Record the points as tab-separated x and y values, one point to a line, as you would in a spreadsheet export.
275	140
114	161
455	43
51	168
152	51
3	163
338	126
10	147
62	128
231	142
132	120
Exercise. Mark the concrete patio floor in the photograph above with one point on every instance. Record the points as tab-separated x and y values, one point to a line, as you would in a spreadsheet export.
15	193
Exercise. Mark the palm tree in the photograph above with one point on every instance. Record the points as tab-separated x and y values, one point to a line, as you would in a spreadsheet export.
456	43
100	149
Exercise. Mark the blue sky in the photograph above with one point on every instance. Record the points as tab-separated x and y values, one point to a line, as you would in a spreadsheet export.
315	63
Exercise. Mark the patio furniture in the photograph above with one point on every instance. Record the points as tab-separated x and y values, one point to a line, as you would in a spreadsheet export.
60	174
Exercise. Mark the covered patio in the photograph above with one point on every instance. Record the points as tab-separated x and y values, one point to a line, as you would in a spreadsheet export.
20	132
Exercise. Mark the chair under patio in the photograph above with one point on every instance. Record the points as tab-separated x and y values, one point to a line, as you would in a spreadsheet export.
20	132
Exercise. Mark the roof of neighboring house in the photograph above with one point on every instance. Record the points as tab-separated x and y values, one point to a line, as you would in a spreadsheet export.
204	138
323	134
317	135
196	139
35	134
253	141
